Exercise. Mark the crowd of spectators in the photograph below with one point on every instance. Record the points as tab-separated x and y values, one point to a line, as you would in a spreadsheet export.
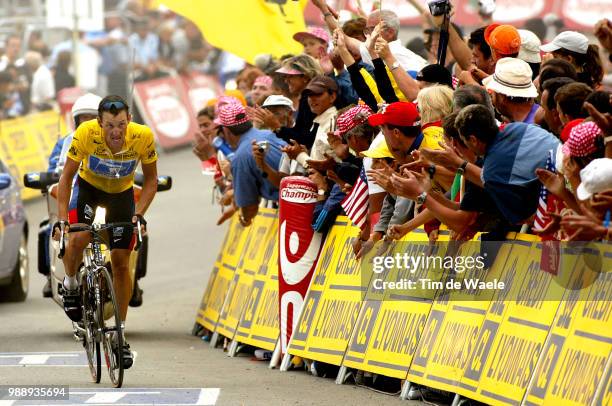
513	134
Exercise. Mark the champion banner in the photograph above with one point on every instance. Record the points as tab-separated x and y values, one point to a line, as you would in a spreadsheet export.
298	249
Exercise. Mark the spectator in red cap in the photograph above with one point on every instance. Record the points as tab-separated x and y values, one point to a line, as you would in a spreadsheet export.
401	126
315	41
250	183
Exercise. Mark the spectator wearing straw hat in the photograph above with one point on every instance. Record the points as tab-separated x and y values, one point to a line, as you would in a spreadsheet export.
513	92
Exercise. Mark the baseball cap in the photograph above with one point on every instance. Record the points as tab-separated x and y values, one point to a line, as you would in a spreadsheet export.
401	114
380	150
530	47
435	74
351	118
286	70
313	32
277	100
581	141
231	114
595	177
565	133
512	77
320	84
570	40
503	38
263	80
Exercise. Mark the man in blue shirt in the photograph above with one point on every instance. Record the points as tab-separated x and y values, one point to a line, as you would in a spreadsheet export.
250	185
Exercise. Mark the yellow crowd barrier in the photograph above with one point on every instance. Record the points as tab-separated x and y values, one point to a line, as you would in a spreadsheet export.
26	143
543	340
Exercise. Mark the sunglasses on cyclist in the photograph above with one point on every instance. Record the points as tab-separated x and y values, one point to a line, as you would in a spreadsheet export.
110	105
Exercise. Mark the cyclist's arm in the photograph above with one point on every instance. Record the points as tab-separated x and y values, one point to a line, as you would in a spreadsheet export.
149	187
65	186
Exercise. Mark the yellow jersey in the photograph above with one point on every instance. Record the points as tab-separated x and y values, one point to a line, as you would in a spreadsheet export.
111	173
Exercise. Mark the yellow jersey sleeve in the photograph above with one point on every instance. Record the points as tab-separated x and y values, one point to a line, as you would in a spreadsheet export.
149	153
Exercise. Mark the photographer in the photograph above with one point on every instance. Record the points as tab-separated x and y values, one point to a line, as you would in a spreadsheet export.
250	182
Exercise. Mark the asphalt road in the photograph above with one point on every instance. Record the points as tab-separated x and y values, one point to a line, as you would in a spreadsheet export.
36	344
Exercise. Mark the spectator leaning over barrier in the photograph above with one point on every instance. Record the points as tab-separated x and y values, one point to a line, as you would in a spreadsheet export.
574	47
512	91
570	105
551	114
42	88
250	183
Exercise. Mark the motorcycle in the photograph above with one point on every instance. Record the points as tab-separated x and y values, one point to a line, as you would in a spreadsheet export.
48	262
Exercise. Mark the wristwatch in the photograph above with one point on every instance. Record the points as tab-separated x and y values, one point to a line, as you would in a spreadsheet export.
432	171
395	65
421	198
461	169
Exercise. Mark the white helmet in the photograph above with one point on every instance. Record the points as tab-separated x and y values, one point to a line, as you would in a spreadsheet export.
86	104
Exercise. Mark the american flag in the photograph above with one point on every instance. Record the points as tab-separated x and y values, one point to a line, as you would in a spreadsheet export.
546	202
355	204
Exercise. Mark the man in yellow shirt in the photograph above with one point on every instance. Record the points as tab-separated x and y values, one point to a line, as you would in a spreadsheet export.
106	152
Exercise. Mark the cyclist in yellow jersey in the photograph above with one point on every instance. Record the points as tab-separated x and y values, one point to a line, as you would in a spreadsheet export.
105	152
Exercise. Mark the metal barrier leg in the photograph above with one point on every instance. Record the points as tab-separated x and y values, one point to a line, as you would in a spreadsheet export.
214	339
231	352
275	356
405	390
285	363
342	375
456	400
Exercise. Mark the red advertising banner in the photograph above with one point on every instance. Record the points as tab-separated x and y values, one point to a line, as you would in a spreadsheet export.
299	247
165	108
200	89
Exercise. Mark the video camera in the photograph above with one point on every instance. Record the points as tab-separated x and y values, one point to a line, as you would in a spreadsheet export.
439	7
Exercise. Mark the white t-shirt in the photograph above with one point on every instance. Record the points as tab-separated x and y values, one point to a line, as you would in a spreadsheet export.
408	60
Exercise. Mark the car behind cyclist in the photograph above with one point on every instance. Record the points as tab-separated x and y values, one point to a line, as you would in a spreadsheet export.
106	152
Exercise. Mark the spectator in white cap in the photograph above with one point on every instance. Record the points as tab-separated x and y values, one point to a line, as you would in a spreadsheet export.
512	90
281	107
574	47
596	177
530	51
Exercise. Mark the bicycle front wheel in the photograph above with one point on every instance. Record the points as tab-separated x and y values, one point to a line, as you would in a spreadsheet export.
91	336
112	329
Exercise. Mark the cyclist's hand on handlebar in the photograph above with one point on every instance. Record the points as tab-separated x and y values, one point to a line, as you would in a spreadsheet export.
55	232
143	222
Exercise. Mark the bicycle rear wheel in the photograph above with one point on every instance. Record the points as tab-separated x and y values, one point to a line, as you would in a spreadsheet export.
91	338
112	330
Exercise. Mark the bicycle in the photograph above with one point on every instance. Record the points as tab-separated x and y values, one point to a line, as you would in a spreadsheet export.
96	286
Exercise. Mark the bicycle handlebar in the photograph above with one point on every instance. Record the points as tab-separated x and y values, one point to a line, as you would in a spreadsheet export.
95	229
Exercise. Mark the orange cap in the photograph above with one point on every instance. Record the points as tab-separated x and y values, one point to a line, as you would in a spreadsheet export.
504	39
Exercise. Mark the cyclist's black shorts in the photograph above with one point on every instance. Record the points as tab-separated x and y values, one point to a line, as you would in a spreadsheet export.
119	208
